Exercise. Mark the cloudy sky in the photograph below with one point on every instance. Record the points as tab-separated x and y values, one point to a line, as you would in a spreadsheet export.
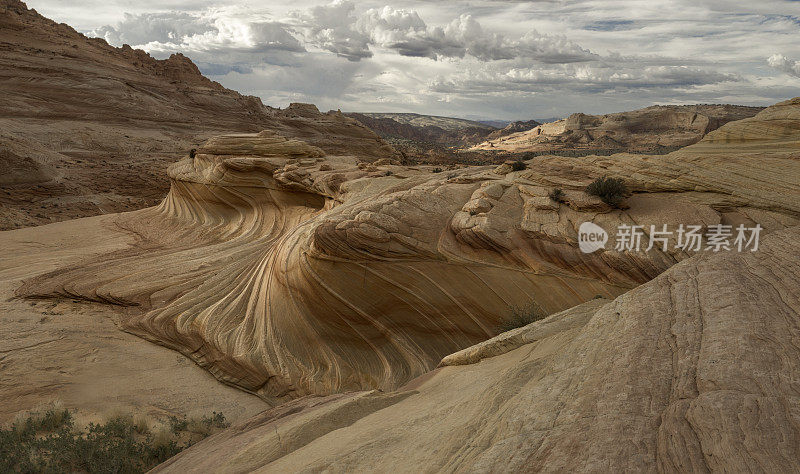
475	59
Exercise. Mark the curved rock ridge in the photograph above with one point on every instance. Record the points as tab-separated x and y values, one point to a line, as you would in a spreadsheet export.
288	273
694	371
778	124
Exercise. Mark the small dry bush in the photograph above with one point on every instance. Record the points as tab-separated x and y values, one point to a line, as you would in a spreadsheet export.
522	316
611	191
557	195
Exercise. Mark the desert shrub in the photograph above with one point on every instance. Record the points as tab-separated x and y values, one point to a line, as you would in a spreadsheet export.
436	170
192	153
556	195
207	425
178	424
141	425
49	441
610	190
388	173
522	316
48	419
204	425
518	165
216	420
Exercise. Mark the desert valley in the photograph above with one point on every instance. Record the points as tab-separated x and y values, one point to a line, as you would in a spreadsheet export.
236	287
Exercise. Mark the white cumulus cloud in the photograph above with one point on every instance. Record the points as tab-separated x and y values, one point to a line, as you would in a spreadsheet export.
338	28
214	29
782	63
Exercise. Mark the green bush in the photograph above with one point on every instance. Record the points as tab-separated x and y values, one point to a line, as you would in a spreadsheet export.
437	170
611	191
522	316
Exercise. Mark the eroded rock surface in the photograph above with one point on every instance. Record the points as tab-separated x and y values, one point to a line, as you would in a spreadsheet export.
289	273
73	352
694	371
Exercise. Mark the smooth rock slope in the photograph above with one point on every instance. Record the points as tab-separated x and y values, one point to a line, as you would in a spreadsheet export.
73	352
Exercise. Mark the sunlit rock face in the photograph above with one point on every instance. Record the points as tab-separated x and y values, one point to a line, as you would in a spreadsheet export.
287	272
693	371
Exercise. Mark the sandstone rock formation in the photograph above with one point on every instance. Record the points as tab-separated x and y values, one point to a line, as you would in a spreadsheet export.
647	130
288	273
694	371
87	128
365	301
73	353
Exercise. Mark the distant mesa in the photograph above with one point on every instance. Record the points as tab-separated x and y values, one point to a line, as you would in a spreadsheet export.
655	129
428	130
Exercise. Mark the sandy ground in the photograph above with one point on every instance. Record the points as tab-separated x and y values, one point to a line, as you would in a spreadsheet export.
73	352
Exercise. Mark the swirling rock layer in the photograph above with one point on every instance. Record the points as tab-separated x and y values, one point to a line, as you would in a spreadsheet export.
288	273
694	371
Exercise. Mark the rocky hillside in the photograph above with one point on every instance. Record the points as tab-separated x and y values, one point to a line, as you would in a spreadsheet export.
87	128
513	127
653	129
